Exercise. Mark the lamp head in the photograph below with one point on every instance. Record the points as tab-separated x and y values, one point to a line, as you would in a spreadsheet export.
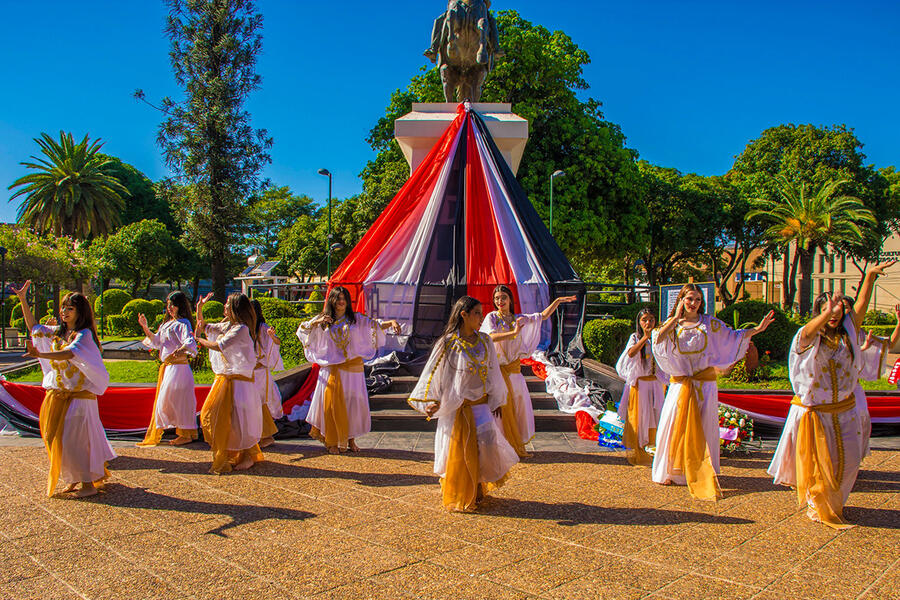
324	172
558	174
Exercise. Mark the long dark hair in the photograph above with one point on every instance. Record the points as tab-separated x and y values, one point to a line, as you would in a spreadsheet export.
689	287
640	331
257	309
242	312
329	311
467	304
820	301
508	292
180	301
85	318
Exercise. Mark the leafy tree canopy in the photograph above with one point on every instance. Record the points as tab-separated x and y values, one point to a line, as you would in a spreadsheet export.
269	212
139	254
141	200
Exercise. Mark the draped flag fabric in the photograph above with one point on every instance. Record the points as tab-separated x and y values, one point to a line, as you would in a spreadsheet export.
461	225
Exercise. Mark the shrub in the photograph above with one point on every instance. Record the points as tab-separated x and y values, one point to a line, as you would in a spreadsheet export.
317	303
273	308
605	339
130	325
114	300
15	315
776	339
19	324
630	311
157	321
291	348
159	307
880	330
876	317
119	325
213	311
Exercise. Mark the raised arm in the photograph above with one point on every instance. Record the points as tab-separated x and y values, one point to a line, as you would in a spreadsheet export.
201	322
834	308
545	314
865	291
22	295
633	351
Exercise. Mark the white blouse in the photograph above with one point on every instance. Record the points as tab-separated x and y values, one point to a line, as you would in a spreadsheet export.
523	344
85	371
238	352
341	341
173	335
692	348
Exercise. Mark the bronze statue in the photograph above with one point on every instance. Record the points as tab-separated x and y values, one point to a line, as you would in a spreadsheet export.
464	42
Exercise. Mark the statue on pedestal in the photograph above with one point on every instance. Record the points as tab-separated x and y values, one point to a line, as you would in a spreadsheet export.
464	42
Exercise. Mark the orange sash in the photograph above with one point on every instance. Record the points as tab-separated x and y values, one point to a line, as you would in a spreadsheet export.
215	418
154	433
630	437
269	427
508	411
690	452
817	479
52	420
337	423
460	485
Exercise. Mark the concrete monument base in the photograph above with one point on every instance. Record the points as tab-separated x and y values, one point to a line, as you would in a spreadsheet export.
418	131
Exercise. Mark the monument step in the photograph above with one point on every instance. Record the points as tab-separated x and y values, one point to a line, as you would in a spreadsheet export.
405	383
410	420
392	401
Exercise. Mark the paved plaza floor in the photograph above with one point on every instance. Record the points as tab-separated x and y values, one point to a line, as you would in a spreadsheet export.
572	522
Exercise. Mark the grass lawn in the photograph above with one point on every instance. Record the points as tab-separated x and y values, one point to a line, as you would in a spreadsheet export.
778	380
125	371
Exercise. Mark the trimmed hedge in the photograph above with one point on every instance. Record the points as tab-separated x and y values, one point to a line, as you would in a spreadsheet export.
19	324
159	307
273	308
213	310
629	312
291	348
876	317
15	315
130	325
605	339
114	300
776	339
884	331
119	325
316	307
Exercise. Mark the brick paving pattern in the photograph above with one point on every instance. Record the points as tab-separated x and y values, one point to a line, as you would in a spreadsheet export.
572	522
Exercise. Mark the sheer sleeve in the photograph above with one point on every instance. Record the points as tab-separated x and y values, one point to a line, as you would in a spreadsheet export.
664	350
726	345
88	359
873	359
429	388
630	368
185	336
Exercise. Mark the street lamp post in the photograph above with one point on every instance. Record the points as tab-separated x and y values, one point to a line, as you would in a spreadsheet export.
556	174
3	298
327	173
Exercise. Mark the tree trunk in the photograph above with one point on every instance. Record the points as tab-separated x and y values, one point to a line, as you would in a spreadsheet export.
218	277
196	289
807	260
55	298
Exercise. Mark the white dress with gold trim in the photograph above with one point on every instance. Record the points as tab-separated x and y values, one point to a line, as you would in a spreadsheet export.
238	357
176	402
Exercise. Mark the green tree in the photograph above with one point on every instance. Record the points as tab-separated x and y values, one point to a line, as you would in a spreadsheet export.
68	191
597	209
141	200
269	212
208	138
812	155
682	221
810	216
139	254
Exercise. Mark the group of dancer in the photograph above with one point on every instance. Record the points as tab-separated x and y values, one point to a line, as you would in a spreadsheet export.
473	384
826	434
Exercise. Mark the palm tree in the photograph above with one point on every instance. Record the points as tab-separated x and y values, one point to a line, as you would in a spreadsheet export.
810	218
68	192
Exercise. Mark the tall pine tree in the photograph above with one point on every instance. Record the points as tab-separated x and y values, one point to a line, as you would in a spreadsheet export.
207	138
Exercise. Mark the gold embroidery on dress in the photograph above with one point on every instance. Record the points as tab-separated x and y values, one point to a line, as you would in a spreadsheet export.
340	334
679	330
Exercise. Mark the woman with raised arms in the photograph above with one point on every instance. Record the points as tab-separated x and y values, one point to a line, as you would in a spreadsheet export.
175	404
644	391
339	340
825	437
231	416
74	375
463	387
516	337
690	346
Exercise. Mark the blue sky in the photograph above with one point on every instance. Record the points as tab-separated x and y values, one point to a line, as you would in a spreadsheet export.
689	82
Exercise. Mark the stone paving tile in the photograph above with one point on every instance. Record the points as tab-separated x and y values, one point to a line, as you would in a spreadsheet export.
305	524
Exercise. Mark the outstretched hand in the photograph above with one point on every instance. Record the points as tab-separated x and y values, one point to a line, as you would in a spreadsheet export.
764	324
879	269
868	341
22	290
30	350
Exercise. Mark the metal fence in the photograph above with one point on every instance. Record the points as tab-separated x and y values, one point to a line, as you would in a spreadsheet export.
601	299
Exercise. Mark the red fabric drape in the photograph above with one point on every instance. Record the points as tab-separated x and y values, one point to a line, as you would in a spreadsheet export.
538	368
584	425
304	393
120	407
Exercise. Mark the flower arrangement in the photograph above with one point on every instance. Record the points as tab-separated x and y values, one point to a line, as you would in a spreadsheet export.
735	428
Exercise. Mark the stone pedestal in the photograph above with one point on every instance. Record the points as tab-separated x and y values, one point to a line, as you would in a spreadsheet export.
418	131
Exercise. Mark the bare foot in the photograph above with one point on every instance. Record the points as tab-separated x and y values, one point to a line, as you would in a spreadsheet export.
334	450
70	488
181	441
87	489
266	442
244	464
352	446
